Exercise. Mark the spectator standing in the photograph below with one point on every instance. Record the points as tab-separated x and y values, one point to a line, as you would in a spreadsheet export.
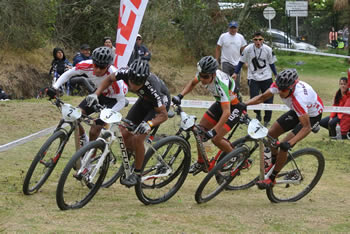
83	54
261	64
228	50
330	122
333	38
107	41
140	51
346	37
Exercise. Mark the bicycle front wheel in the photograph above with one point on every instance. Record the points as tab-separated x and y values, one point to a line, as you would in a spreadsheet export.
164	170
249	174
44	162
221	175
298	177
77	186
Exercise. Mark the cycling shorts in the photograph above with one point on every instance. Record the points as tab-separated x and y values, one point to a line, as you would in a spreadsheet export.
214	113
102	100
290	120
143	111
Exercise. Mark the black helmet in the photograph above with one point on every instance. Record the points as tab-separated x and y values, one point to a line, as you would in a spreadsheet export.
139	71
102	56
207	64
286	78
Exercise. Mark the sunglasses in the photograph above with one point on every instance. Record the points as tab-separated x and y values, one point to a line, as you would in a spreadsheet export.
100	66
258	39
137	82
204	75
139	38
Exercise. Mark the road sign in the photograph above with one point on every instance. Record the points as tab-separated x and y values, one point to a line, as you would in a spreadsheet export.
298	9
269	13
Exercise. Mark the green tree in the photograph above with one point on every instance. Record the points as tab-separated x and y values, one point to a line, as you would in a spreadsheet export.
26	23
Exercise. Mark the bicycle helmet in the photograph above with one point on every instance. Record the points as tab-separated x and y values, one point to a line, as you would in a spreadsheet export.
286	78
207	64
102	56
139	71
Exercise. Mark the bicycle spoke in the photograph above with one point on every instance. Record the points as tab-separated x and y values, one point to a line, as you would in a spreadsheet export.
165	171
297	177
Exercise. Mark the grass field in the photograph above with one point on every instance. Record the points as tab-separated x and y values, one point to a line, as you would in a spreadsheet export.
116	209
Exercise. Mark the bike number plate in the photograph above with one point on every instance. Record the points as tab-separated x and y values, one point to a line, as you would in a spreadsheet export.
110	116
70	113
256	130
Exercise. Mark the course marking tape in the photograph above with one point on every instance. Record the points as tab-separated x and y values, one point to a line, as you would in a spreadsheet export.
184	103
313	52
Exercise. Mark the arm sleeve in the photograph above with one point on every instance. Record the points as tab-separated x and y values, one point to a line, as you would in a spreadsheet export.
147	57
238	67
65	77
273	69
120	102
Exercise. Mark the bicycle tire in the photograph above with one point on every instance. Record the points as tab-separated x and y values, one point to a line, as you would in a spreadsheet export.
226	169
155	189
69	181
249	175
38	175
307	173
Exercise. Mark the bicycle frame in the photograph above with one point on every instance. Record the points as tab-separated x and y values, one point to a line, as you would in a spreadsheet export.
188	124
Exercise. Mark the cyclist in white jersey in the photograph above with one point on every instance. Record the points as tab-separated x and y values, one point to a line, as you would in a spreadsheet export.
305	113
96	69
223	114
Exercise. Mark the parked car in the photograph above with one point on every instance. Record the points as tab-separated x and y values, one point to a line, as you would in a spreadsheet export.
280	39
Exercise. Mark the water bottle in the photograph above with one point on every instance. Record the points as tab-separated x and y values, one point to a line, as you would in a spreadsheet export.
337	130
267	156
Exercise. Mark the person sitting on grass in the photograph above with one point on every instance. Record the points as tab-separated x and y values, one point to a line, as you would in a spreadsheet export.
330	122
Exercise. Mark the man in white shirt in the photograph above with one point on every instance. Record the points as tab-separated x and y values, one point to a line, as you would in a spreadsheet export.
261	64
228	50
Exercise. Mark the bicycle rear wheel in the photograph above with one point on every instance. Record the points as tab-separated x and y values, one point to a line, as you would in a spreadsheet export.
76	190
44	162
298	177
164	170
249	174
221	175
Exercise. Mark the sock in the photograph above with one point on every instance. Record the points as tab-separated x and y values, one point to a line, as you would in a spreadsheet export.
273	175
137	171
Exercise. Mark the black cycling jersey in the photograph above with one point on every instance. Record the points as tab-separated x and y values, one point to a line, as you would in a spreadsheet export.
154	91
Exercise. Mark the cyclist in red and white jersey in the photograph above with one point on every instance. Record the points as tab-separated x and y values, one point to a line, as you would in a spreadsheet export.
96	69
305	113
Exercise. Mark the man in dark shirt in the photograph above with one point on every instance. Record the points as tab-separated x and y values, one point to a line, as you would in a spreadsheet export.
84	54
150	109
140	51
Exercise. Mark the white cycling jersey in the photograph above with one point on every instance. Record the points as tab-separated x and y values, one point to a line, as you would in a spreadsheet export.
222	88
303	100
116	90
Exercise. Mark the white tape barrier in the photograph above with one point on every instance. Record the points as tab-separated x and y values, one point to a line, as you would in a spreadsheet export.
313	52
184	103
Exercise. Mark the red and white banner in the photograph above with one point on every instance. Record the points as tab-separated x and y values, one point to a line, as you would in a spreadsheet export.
130	17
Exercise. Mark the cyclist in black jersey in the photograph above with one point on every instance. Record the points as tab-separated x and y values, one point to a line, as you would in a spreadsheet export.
150	109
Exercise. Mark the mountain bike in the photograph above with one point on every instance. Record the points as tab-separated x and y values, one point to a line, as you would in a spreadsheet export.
188	125
163	171
300	174
51	151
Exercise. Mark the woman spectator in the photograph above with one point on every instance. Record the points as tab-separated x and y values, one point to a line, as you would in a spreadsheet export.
345	120
340	98
59	65
107	41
